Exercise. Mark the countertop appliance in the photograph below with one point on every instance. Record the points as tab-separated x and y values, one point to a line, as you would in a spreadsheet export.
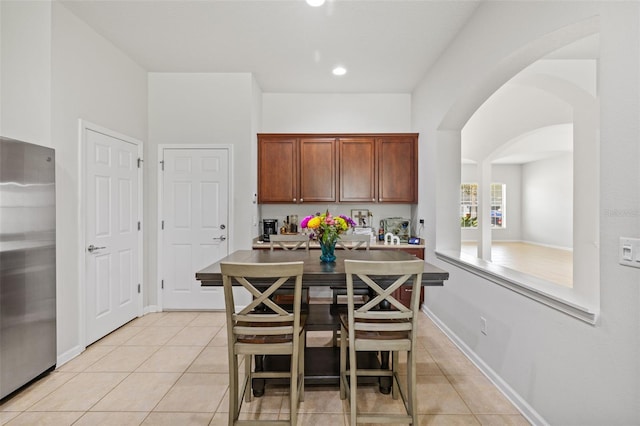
398	226
269	227
27	263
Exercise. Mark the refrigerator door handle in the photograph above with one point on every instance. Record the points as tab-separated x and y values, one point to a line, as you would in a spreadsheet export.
93	248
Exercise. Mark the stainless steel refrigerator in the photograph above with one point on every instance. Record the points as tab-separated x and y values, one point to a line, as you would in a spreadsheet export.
27	263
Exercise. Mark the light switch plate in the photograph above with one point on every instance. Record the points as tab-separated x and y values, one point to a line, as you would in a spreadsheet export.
629	252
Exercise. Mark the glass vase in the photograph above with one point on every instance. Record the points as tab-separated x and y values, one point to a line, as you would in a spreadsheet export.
328	250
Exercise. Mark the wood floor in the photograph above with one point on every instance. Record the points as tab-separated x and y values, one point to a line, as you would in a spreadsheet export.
555	265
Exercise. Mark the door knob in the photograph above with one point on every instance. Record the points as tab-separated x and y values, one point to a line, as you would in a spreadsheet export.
221	238
93	248
222	226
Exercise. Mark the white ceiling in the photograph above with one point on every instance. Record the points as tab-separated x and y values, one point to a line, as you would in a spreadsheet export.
387	46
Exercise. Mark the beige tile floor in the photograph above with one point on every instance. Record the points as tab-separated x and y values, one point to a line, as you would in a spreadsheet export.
171	369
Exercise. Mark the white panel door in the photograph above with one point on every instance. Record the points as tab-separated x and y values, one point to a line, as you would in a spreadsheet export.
195	216
112	254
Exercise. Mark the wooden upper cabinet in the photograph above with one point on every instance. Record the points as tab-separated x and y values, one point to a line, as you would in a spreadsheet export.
277	170
317	170
397	158
349	168
294	169
357	170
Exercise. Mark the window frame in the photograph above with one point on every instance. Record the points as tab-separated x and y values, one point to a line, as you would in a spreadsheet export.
469	202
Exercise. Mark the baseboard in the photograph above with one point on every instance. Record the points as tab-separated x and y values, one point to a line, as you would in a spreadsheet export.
68	355
150	309
521	405
534	243
77	350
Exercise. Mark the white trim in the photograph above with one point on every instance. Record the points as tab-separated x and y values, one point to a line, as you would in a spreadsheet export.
231	222
558	297
83	126
525	409
149	309
534	243
69	355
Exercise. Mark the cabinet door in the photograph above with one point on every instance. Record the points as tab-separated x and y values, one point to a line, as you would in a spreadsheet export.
317	170
357	170
397	169
277	170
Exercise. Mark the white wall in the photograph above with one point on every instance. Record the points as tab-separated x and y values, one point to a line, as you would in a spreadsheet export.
511	176
94	81
561	370
56	70
25	71
547	201
335	113
202	108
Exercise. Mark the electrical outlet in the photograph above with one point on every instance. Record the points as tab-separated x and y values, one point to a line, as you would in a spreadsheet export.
629	252
483	325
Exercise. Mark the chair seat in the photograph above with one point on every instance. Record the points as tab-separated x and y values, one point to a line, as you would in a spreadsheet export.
376	335
267	339
263	340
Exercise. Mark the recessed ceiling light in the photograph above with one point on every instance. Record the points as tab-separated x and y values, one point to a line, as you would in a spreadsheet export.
339	70
315	3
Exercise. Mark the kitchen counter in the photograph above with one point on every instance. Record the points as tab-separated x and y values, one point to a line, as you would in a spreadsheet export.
379	245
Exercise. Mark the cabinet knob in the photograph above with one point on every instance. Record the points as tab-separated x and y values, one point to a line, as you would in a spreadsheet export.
373	199
294	200
302	200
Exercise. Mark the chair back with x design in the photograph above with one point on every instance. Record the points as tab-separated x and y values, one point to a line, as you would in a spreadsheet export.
263	327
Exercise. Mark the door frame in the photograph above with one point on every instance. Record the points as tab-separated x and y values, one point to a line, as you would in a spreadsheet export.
83	127
230	206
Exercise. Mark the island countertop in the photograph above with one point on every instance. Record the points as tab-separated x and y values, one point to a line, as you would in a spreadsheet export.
316	272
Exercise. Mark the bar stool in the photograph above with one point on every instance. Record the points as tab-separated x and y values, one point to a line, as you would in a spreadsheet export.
270	331
355	241
369	328
279	241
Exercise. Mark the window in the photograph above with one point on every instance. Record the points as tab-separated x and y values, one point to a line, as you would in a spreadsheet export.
497	205
469	205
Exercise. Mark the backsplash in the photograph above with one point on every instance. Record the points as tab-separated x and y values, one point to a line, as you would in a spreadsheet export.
377	211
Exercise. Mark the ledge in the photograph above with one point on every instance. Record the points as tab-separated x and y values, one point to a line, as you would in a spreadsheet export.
557	297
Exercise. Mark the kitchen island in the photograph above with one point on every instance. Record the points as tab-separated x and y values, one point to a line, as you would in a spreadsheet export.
322	365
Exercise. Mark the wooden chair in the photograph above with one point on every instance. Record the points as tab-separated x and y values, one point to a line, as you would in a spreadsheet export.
347	242
280	241
354	241
369	328
284	242
271	331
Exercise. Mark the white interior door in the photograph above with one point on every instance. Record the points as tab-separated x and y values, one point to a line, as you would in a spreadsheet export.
112	254
195	206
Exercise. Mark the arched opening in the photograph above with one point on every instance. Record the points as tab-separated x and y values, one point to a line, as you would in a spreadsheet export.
524	135
528	160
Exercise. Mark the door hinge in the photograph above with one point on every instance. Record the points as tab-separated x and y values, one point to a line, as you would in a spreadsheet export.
162	225
139	226
162	165
140	161
138	288
162	284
